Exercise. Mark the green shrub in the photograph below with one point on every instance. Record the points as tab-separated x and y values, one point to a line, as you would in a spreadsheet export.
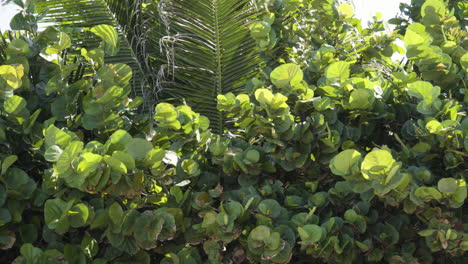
324	162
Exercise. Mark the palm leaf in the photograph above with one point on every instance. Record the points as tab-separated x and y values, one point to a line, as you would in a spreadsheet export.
209	52
125	15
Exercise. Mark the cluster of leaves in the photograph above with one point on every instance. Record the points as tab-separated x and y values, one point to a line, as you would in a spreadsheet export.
325	161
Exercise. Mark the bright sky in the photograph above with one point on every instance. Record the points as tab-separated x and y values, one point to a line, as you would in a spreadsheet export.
364	10
6	13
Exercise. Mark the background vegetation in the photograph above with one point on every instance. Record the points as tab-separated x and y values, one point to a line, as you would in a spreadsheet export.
221	131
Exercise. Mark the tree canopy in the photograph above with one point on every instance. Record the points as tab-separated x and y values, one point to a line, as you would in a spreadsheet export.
233	131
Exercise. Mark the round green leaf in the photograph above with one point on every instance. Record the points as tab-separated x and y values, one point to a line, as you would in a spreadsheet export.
338	71
464	62
351	216
361	99
115	164
78	215
424	90
260	233
346	10
14	104
312	233
286	75
119	139
252	155
5	216
12	75
377	164
270	208
263	96
17	47
343	163
55	136
53	153
461	192
434	126
428	193
88	163
7	162
55	214
115	213
447	185
138	148
190	167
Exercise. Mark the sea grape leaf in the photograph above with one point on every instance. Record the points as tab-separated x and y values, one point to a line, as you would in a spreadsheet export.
338	71
252	155
53	153
111	94
351	216
148	226
169	227
89	163
286	75
79	214
17	47
377	164
346	10
361	99
68	156
416	35
447	185
166	116
424	90
138	148
312	233
14	105
12	74
464	62
345	162
270	208
434	127
55	136
5	216
7	162
191	167
260	233
127	160
19	184
115	164
263	96
31	253
118	140
461	192
56	214
116	213
278	102
428	193
432	11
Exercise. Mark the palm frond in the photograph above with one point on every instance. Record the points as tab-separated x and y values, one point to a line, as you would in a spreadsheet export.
125	15
209	52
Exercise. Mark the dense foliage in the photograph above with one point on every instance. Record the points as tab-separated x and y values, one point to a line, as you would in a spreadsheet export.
334	153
